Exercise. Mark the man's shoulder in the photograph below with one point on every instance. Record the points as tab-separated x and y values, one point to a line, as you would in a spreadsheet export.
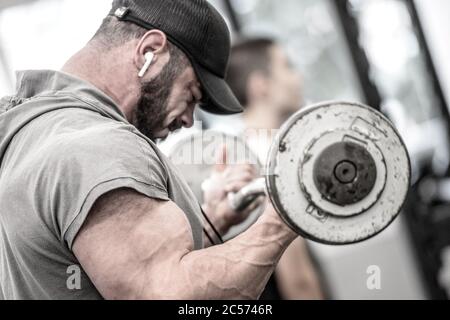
78	135
86	129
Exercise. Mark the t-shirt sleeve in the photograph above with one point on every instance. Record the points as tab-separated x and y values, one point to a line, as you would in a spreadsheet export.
91	164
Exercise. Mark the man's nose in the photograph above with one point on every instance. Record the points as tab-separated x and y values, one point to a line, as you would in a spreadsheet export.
187	119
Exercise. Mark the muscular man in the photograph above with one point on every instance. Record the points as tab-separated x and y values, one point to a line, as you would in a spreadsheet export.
269	88
82	185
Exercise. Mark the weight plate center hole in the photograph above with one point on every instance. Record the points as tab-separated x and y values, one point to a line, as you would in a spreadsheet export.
345	172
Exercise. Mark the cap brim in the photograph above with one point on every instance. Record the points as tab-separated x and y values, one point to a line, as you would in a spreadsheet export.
219	98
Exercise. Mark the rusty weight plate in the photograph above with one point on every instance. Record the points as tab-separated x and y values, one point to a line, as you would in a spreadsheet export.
338	172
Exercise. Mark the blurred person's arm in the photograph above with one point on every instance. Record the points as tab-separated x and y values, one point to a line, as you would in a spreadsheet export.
295	274
135	247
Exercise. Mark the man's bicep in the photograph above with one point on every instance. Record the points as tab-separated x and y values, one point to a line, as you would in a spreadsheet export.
129	241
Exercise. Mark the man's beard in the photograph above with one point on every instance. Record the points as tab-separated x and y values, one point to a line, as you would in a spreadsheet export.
152	107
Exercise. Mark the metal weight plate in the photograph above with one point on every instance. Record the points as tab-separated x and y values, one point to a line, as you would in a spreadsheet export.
195	156
338	172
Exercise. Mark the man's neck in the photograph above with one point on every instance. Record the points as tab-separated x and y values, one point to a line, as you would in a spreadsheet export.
104	72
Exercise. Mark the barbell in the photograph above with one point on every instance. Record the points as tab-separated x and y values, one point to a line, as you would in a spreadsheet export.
337	172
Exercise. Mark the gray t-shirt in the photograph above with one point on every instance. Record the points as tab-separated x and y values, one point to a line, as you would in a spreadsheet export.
63	144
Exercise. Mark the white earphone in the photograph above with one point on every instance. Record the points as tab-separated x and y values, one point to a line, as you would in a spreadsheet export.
148	61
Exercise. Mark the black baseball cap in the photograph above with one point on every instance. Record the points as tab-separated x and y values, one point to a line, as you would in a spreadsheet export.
200	32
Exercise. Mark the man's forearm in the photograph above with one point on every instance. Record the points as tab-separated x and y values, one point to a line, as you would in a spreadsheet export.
238	269
222	218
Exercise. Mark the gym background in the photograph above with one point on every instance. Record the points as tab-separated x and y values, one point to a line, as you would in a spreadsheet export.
390	54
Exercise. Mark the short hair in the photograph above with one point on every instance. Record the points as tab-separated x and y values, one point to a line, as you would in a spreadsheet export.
247	57
113	33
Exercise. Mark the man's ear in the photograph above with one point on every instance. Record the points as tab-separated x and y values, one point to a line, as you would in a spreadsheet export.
154	41
257	86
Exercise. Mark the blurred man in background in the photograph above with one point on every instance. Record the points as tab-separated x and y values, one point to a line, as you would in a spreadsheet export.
269	88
